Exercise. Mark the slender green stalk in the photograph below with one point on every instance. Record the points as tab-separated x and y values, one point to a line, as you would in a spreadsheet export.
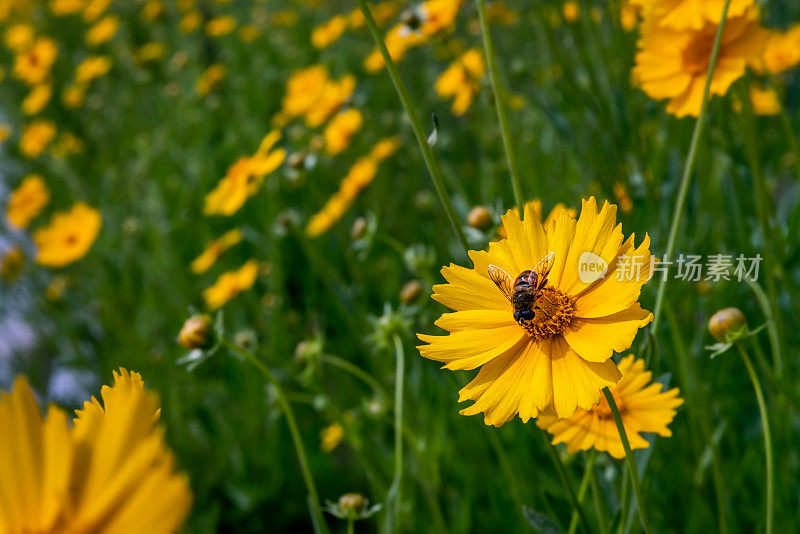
500	106
772	327
587	476
320	527
416	125
393	497
631	461
762	408
355	371
599	505
683	191
350	525
562	474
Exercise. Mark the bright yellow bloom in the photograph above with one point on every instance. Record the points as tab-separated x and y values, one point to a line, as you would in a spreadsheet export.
102	31
782	51
642	406
561	356
536	206
91	68
333	95
571	11
330	437
111	471
35	137
148	52
11	264
68	237
340	130
95	8
764	101
692	14
623	198
302	89
61	8
214	250
190	22
33	65
219	26
37	99
18	37
673	63
461	80
27	201
230	284
210	79
629	15
328	32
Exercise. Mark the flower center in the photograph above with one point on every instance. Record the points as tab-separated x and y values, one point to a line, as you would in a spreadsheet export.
603	410
553	311
697	54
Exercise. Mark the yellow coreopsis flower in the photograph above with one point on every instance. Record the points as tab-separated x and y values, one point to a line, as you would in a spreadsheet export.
230	284
110	472
102	31
210	79
461	80
91	68
303	89
340	130
27	201
18	37
68	237
764	101
691	14
673	63
37	99
61	8
219	26
148	52
536	206
190	22
151	10
642	405
328	32
35	137
94	9
552	349
33	65
73	96
330	437
782	51
333	96
214	250
571	11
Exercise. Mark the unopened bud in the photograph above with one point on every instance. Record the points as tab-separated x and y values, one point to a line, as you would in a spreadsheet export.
354	502
410	292
196	332
727	325
297	160
479	218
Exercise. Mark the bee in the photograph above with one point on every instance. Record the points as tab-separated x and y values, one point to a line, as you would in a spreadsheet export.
523	292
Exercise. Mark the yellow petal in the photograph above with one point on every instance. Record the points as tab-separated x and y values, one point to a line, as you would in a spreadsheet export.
595	340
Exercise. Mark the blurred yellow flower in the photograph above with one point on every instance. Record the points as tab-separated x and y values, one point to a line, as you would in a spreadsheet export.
73	96
148	52
311	93
214	250
11	264
210	79
629	15
332	96
94	9
558	353
691	14
461	80
110	471
340	130
18	37
248	33
673	63
571	11
328	32
35	137
37	99
67	144
219	26
102	31
151	10
61	8
782	51
287	17
382	12
330	437
33	65
764	101
643	407
230	284
91	68
190	22
623	198
68	236
27	201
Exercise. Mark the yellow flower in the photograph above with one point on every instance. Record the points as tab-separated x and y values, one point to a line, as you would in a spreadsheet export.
333	95
382	12
248	33
764	101
302	89
111	471
37	99
214	250
33	65
437	15
19	37
330	437
623	198
642	406
340	130
151	10
102	31
219	26
27	201
210	79
148	52
692	14
190	22
73	96
95	8
11	264
35	137
536	206
673	63
571	11
61	8
231	284
67	143
559	353
68	237
782	51
629	15
328	32
461	80
91	68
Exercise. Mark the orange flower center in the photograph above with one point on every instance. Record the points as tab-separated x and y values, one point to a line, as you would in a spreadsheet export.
697	54
553	312
603	410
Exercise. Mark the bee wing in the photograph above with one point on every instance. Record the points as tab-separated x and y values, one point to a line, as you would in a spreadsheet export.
502	280
542	269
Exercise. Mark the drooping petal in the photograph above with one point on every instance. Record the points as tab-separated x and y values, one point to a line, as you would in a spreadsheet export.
468	349
577	382
596	340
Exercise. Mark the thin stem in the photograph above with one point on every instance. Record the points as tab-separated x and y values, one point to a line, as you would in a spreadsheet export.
416	125
350	525
587	476
762	408
313	497
355	371
632	469
393	498
562	474
599	505
683	191
499	106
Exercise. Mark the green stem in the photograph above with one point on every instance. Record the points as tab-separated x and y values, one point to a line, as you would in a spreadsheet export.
350	525
587	476
632	469
683	191
599	505
500	107
313	497
562	474
416	125
762	408
393	498
355	371
772	327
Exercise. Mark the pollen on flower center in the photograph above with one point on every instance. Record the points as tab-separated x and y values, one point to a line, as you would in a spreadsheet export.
553	312
697	54
603	410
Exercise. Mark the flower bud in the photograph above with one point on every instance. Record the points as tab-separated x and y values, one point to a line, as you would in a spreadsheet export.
727	325
359	229
479	218
410	292
197	332
354	502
